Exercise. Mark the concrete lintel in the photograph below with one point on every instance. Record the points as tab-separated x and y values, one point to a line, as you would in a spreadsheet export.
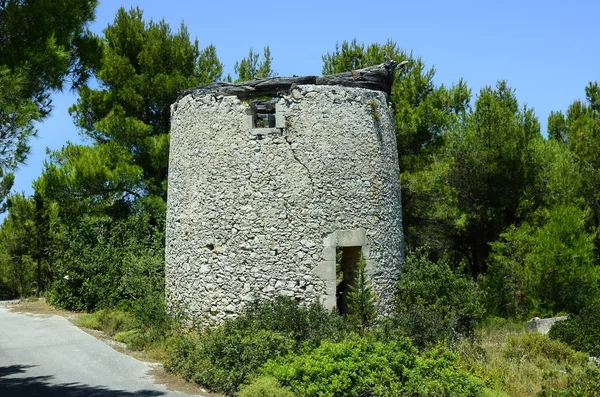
346	238
351	237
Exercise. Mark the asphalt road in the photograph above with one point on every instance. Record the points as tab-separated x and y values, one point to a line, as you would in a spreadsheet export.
48	356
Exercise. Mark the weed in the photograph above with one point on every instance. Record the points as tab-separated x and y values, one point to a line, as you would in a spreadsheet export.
374	110
109	321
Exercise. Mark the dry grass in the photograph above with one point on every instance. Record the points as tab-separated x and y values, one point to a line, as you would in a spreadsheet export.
514	362
39	306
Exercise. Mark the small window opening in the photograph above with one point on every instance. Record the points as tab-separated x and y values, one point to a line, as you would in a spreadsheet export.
263	114
347	259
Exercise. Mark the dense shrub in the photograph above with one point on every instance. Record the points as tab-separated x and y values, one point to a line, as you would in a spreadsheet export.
362	300
543	267
305	325
102	262
580	383
434	303
222	358
349	368
265	386
366	367
582	332
533	345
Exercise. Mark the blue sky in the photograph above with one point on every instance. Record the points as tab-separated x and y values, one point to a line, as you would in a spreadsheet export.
546	50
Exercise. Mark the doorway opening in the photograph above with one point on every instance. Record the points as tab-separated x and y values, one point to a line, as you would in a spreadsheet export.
346	265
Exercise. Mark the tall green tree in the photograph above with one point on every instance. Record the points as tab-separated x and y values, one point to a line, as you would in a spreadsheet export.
254	67
544	264
43	45
491	168
17	266
143	68
579	130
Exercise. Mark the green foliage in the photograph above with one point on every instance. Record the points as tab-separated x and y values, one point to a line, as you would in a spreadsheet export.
543	267
46	40
155	322
100	263
131	109
109	321
140	324
43	43
19	245
306	325
437	372
223	358
490	169
581	383
352	367
17	114
434	303
581	332
90	180
252	67
362	299
265	386
512	361
366	367
579	130
533	346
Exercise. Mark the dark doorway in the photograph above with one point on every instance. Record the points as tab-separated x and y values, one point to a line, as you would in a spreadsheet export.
347	259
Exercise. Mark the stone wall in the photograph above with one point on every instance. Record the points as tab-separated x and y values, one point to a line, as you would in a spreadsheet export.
258	212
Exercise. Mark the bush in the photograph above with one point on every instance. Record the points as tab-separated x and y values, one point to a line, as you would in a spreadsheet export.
433	302
109	321
533	345
581	383
305	325
366	367
581	332
543	267
223	358
101	262
154	321
265	386
437	373
354	367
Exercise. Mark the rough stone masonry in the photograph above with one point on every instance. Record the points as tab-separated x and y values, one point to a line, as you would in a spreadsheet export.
282	196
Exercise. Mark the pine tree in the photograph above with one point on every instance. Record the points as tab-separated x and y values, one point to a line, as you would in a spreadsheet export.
362	300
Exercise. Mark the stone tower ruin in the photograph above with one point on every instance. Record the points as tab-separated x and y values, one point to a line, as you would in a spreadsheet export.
277	187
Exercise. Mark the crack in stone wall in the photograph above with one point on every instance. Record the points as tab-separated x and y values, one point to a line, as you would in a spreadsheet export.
291	144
